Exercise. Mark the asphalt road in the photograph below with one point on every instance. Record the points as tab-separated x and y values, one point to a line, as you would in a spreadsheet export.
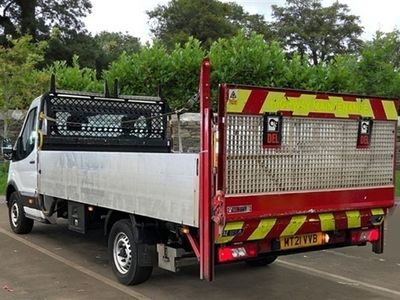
54	263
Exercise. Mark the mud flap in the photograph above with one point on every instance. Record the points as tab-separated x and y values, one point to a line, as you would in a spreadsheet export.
147	255
377	247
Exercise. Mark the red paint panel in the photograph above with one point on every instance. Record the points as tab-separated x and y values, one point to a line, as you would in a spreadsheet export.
255	101
286	113
350	98
341	220
205	176
322	97
355	117
312	224
279	227
293	94
321	115
365	219
270	205
248	229
378	110
397	105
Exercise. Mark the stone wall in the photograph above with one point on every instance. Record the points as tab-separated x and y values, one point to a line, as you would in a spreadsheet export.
189	132
15	120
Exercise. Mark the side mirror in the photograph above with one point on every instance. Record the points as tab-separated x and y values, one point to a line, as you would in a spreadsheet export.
7	149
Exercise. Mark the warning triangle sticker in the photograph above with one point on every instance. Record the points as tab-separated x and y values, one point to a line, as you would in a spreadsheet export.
232	95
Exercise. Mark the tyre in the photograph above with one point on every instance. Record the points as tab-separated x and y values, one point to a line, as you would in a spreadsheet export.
123	254
18	222
261	261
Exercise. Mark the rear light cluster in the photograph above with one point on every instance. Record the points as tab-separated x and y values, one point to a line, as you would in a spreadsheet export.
363	236
237	252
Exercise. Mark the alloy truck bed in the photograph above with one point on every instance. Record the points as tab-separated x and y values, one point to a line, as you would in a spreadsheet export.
115	153
158	185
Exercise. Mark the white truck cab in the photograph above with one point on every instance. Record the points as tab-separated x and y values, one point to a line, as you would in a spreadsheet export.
23	172
23	166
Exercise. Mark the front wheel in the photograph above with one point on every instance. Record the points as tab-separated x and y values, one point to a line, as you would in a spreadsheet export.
261	261
18	222
123	254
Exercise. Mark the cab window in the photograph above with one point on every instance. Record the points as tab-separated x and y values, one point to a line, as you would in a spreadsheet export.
26	142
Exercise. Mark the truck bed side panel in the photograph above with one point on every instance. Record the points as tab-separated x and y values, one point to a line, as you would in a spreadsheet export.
158	185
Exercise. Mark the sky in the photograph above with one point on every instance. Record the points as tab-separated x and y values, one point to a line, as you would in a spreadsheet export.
130	15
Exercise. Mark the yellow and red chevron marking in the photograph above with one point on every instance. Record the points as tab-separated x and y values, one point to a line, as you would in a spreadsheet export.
259	101
273	228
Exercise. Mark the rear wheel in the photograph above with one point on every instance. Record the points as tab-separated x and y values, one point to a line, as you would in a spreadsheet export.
261	261
18	222
123	254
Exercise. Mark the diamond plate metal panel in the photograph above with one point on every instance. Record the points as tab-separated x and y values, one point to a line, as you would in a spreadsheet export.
315	154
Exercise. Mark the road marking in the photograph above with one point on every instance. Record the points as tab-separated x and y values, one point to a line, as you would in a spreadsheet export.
338	278
333	252
127	290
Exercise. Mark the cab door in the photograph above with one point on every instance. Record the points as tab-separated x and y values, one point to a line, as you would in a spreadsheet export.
23	168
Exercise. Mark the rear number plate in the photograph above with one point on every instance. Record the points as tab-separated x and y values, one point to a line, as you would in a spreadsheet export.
301	241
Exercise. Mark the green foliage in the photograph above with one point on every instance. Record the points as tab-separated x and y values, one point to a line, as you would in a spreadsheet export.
141	73
206	20
341	74
37	17
248	60
244	59
98	51
3	177
74	77
153	70
305	26
183	77
64	48
378	68
18	84
114	43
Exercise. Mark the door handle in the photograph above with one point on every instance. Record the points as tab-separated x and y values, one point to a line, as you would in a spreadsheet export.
32	162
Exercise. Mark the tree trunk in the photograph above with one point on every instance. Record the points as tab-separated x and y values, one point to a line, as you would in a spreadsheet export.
314	57
28	16
5	127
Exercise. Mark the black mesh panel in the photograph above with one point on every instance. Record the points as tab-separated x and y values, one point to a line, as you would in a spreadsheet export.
105	120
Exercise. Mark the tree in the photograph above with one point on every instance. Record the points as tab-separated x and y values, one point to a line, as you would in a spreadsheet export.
37	17
98	53
18	83
378	68
112	45
141	73
74	77
153	68
63	48
248	60
321	32
205	20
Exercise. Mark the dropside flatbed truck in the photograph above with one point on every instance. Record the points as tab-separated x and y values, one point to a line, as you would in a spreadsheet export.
279	171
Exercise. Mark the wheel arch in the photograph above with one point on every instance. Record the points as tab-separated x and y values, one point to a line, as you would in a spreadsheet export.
112	217
11	188
146	229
